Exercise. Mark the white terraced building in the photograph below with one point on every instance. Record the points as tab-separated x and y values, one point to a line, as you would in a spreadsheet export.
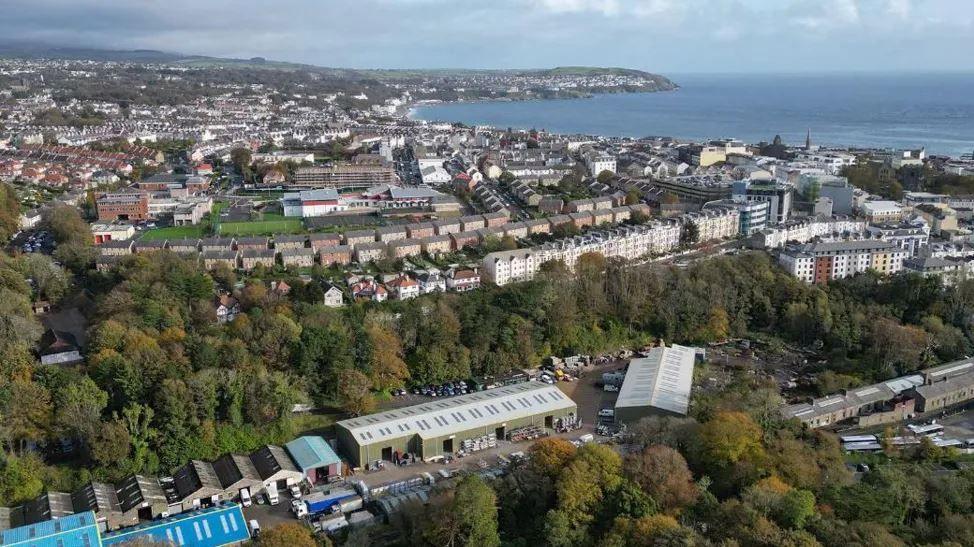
628	242
803	231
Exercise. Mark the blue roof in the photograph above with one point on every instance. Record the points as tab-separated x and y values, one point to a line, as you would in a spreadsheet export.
311	452
79	530
211	527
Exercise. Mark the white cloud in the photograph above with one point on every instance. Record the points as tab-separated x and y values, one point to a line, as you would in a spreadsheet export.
899	9
617	8
604	7
824	14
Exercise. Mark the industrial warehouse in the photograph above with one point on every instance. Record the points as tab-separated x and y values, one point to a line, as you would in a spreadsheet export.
658	384
433	430
930	390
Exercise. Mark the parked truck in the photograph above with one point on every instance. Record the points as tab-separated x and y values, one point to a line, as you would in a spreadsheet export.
321	502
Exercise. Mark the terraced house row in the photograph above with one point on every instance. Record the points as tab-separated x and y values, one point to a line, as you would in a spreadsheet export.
628	242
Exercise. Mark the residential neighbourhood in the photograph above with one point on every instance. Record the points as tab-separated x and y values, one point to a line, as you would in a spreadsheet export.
249	301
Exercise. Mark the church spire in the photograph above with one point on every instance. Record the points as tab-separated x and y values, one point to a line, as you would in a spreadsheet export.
808	140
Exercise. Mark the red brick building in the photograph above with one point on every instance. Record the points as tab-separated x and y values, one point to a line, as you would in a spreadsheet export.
123	206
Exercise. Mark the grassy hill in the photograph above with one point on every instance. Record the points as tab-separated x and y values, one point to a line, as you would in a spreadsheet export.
40	51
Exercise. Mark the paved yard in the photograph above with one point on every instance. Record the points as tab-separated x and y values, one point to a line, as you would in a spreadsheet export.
270	516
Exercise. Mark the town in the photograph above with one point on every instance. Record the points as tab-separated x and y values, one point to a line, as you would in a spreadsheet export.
334	304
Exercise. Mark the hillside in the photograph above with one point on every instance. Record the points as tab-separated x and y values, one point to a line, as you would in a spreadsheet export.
41	51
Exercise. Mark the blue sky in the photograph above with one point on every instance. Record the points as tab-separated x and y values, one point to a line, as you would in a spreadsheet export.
668	36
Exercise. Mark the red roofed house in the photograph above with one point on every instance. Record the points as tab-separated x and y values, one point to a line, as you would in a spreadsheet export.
369	289
403	288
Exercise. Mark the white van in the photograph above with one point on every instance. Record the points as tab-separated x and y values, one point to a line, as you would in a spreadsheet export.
607	413
254	528
245	498
272	497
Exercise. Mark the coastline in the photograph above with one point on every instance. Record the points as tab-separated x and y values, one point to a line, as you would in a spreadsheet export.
840	112
408	110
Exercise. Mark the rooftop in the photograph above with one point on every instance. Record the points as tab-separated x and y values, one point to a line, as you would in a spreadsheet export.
442	418
222	524
311	452
661	380
78	529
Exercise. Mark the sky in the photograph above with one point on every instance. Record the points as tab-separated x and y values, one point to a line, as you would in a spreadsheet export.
666	36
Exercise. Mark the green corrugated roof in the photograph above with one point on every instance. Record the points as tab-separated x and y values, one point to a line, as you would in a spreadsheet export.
311	452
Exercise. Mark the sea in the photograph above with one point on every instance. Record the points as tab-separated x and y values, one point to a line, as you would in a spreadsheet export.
931	110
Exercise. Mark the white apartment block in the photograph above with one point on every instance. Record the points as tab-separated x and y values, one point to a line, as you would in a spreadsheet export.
627	242
803	231
597	163
822	262
716	223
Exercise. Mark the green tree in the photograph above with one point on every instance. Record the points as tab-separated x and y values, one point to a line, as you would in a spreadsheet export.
20	478
25	415
9	212
468	518
110	446
355	395
241	159
78	408
581	489
50	280
605	176
689	233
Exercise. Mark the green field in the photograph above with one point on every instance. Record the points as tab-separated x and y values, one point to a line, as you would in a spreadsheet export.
173	232
262	227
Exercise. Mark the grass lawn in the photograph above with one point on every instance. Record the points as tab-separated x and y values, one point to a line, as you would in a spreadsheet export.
262	227
316	422
173	232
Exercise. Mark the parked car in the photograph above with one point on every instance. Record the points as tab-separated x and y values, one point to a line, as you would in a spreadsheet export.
295	491
254	528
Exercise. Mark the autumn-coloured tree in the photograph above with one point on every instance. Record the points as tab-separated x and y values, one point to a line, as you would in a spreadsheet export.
289	534
730	437
551	455
355	395
663	473
386	366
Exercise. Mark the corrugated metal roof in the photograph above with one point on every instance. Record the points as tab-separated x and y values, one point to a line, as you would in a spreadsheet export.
311	452
75	530
212	527
661	380
449	416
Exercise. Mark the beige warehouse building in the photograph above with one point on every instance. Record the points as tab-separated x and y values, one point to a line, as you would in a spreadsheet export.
436	428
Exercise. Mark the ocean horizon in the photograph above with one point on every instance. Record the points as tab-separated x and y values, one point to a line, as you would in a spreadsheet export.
876	110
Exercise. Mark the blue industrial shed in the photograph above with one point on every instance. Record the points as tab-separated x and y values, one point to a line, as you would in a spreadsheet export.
311	453
78	530
222	524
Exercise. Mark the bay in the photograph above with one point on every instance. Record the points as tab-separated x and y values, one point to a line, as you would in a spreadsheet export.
935	110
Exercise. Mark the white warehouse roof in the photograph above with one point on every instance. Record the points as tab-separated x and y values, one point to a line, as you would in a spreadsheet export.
456	414
662	380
